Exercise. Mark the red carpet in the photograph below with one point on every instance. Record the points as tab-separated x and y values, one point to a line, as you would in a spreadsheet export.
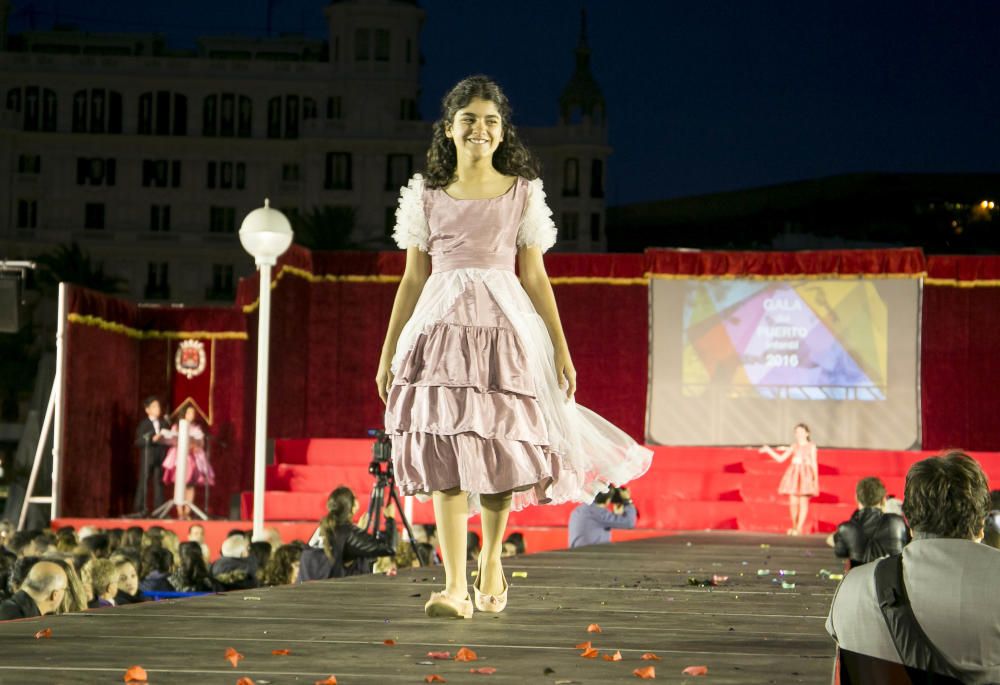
687	488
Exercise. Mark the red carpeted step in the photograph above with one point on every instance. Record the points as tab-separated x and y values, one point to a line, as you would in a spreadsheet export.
822	518
833	489
324	451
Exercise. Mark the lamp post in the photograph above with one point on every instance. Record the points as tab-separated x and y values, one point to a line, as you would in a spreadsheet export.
265	233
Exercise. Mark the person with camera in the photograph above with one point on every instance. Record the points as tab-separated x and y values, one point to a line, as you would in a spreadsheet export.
591	524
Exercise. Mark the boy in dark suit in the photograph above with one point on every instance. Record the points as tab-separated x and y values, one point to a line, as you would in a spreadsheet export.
152	449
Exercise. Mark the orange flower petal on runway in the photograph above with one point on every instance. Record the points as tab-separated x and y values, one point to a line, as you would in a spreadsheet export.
485	670
649	656
594	628
695	670
46	633
584	645
389	643
590	653
439	655
617	656
434	678
135	674
281	652
233	657
465	654
332	680
645	673
244	681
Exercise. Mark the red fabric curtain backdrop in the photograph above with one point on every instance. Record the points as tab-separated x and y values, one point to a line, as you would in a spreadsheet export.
961	352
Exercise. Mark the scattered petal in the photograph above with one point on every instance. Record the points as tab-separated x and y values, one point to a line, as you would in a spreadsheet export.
485	670
584	645
281	652
719	580
244	681
136	674
590	653
617	656
465	654
434	678
594	628
439	655
233	657
332	680
389	643
519	574
695	670
645	673
649	656
46	633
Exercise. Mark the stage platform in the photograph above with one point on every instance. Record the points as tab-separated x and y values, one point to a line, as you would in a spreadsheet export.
748	630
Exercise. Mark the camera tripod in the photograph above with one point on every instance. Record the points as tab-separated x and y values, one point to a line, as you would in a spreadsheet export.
385	481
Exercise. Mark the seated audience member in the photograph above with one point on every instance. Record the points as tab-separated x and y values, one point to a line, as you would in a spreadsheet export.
28	543
104	581
283	566
156	567
347	550
992	529
99	545
945	578
86	531
260	552
7	530
6	566
76	596
513	545
115	536
192	574
591	524
19	572
66	541
128	581
132	538
272	535
40	594
870	533
235	569
196	533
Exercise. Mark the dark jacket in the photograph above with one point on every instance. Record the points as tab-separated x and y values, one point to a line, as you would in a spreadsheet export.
144	433
156	582
869	535
20	605
235	573
353	551
124	598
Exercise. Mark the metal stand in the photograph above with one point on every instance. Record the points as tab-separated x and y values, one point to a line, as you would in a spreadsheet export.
180	477
385	480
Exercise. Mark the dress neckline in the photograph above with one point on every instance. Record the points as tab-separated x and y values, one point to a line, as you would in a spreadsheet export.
482	199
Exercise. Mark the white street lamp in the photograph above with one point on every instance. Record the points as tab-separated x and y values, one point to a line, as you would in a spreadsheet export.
265	233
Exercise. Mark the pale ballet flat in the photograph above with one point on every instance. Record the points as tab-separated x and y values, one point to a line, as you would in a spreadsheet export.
443	605
490	604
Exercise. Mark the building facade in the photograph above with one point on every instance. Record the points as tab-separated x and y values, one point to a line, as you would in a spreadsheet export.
149	158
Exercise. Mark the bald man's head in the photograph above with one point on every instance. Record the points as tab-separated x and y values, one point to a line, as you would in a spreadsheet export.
46	584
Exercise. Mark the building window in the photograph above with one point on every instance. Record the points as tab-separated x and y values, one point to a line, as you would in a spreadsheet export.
38	105
408	109
597	178
290	173
93	215
161	173
398	169
95	171
227	175
571	177
381	45
595	227
284	114
227	115
390	220
27	213
291	116
222	281
409	50
159	218
163	113
97	111
570	226
338	171
222	219
334	107
157	281
29	164
362	49
308	108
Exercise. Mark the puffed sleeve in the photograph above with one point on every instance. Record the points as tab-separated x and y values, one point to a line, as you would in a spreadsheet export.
537	227
411	221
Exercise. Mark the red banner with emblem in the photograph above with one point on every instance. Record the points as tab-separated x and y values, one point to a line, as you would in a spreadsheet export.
193	376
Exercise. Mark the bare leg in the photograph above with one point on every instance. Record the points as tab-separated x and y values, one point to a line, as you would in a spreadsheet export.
800	523
793	511
495	511
451	511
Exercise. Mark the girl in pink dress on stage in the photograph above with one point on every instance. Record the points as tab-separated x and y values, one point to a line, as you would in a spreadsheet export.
199	470
801	479
475	370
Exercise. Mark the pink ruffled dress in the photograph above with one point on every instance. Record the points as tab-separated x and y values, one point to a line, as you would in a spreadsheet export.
199	469
474	402
802	475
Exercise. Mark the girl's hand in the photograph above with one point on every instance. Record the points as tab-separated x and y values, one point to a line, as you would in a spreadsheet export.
383	380
565	373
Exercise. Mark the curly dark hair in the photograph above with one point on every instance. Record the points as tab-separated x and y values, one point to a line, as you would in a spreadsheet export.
870	491
511	158
947	496
279	567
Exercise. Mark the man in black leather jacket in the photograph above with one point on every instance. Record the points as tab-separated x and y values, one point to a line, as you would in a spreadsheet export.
870	533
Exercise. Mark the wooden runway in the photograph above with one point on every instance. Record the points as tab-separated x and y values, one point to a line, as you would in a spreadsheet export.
748	630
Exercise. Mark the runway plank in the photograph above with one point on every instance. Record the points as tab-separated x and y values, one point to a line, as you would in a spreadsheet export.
748	630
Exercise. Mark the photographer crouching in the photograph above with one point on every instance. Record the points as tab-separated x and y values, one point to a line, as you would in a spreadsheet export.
591	524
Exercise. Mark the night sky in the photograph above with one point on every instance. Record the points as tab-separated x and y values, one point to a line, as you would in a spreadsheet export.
703	95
